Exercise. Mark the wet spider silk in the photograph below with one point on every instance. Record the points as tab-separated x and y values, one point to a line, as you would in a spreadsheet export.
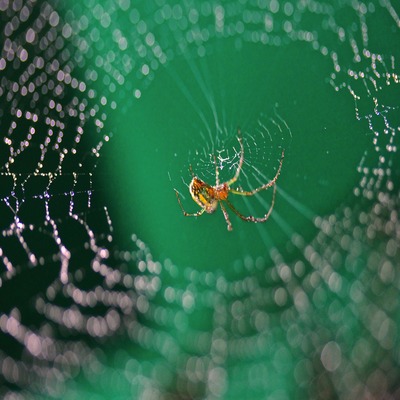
107	291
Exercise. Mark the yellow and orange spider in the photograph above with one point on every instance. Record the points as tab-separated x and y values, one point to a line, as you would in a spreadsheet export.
208	197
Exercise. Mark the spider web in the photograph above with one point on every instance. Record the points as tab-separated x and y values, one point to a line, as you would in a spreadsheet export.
88	309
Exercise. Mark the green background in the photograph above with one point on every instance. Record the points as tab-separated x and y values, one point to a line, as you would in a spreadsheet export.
156	135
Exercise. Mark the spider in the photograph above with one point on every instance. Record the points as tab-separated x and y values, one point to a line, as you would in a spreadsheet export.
208	197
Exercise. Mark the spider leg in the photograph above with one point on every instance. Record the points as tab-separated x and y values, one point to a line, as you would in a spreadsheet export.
186	214
239	168
226	215
263	187
216	171
251	218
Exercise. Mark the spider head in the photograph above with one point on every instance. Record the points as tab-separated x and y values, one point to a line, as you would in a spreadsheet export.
203	194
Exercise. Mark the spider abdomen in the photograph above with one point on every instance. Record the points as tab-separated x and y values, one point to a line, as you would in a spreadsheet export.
203	194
